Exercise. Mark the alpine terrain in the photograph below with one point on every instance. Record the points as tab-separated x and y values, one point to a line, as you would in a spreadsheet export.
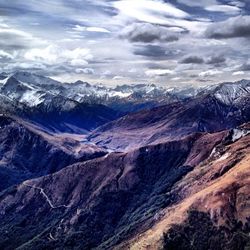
130	167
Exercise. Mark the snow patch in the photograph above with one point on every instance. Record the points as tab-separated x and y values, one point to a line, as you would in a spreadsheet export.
223	157
239	133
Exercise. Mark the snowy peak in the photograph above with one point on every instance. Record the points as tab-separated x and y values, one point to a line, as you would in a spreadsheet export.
22	92
232	92
81	83
34	79
229	92
33	89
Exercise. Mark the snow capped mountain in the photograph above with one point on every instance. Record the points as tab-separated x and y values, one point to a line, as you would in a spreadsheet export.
48	103
232	92
32	90
228	92
34	79
22	92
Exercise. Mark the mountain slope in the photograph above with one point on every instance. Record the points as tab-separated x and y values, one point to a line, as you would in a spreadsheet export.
101	202
204	113
27	152
213	207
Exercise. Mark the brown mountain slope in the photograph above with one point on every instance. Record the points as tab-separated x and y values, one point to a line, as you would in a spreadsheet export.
213	209
106	201
101	202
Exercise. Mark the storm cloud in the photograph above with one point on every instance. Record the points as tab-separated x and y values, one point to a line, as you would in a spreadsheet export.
216	60
231	28
148	33
192	60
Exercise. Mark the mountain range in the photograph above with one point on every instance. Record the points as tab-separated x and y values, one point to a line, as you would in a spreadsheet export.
130	167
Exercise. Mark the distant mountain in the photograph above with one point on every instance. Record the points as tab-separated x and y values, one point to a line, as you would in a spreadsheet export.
231	93
41	100
222	107
31	90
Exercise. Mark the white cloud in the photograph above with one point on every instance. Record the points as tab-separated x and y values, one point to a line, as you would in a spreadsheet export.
80	28
78	62
237	73
87	71
97	29
159	72
54	54
118	77
149	10
211	72
176	78
5	55
223	8
49	54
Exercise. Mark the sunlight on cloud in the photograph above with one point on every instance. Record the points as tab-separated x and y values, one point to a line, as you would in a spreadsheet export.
211	72
159	72
238	73
148	10
223	8
55	54
80	28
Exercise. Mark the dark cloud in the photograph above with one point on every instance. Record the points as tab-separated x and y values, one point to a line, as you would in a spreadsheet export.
156	52
192	60
245	67
150	51
148	33
11	39
231	28
155	66
216	60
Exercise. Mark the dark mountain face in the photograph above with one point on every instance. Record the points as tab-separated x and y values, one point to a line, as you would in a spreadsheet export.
27	152
63	115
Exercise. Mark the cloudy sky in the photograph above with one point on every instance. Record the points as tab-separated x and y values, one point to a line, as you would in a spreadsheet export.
171	42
